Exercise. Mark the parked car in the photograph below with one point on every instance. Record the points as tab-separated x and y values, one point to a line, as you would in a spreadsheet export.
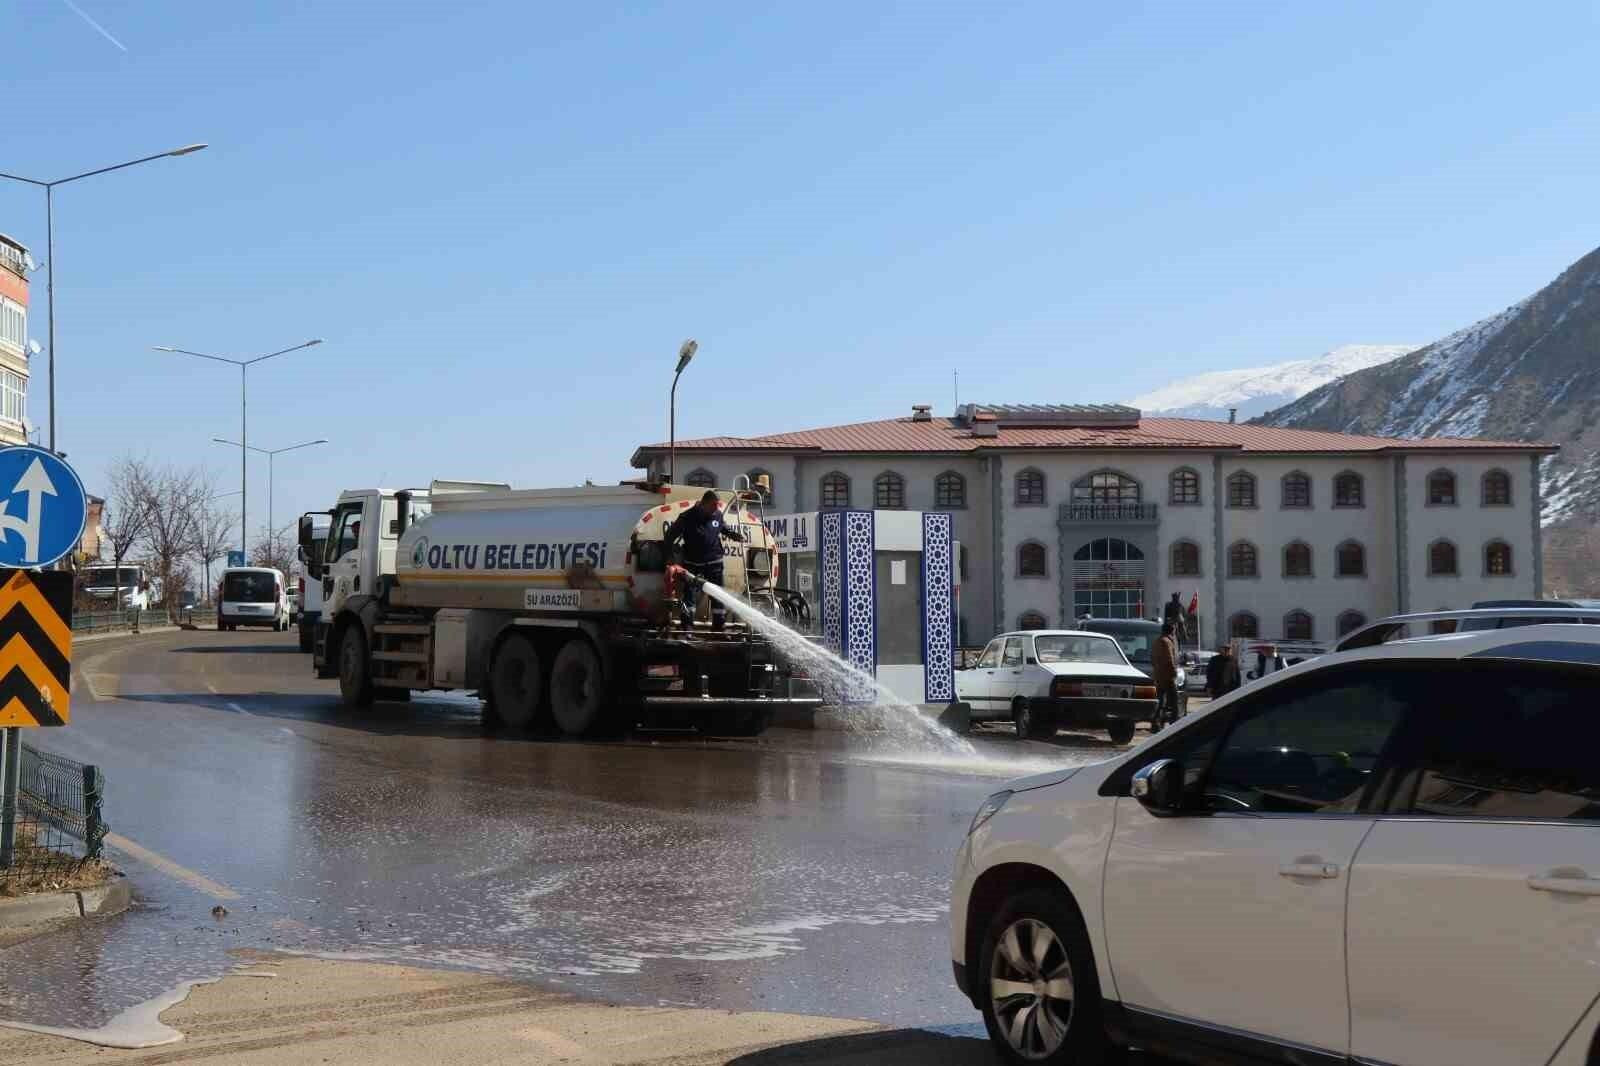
1386	855
1137	635
1194	668
1405	626
1043	680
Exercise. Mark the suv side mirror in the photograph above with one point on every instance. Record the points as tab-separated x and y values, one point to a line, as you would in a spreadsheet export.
1159	788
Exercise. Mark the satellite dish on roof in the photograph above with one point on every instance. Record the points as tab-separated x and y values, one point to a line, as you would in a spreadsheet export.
33	347
27	261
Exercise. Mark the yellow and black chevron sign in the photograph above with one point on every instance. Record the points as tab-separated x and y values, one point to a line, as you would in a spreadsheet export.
35	647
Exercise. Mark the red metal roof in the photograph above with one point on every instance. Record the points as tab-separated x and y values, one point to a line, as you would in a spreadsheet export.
900	435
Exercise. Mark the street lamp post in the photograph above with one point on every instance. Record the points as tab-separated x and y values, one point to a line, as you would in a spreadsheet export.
685	353
271	454
244	429
50	250
205	532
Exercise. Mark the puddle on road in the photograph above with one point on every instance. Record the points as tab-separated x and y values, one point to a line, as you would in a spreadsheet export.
713	866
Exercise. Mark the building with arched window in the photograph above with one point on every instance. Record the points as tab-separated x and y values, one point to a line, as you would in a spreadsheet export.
1063	510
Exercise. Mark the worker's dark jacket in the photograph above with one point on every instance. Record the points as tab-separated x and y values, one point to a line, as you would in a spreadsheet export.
1222	675
702	537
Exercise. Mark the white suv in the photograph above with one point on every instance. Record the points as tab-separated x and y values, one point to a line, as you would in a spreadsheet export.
1385	856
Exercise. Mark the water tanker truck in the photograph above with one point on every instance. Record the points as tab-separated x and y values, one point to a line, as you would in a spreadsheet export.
559	607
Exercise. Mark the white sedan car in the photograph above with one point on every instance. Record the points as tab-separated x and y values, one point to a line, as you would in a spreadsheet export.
1389	856
1043	680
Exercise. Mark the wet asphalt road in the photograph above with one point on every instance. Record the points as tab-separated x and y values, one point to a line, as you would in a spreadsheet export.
801	872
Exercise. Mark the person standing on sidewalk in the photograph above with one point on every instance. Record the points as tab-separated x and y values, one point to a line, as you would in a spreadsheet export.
1164	668
1222	672
1177	617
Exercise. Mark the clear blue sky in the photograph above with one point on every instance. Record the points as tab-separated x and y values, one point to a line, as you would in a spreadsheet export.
504	217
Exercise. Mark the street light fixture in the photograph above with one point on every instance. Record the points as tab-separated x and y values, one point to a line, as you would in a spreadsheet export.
270	453
244	431
685	353
50	245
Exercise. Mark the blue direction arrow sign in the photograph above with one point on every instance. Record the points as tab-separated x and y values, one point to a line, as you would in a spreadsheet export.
42	507
236	558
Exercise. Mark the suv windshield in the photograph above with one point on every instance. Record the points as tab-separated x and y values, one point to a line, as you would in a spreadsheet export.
249	588
1065	649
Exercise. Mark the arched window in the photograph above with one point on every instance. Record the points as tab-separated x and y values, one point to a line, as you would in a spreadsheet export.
950	491
1497	489
1241	489
701	478
1297	489
1350	621
755	475
1031	560
1297	625
1244	625
1183	487
1185	559
1031	620
835	490
1442	559
889	491
1441	489
1105	486
1348	490
1030	488
1351	559
1242	559
1297	559
1497	559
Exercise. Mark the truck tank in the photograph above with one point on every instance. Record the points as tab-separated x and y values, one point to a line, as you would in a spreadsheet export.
588	549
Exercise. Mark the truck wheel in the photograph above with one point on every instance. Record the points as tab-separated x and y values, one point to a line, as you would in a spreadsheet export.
516	686
355	673
578	689
1121	732
751	723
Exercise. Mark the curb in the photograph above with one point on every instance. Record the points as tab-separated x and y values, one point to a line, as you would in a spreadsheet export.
101	902
871	717
92	638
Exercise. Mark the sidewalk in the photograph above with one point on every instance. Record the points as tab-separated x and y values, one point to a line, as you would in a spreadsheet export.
313	1011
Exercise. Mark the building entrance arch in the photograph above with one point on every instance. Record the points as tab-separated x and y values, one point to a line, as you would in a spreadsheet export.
1108	579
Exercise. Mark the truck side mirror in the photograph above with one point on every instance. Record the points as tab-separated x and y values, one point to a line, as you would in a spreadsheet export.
308	539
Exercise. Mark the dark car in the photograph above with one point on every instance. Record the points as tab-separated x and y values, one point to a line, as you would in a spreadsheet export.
1137	636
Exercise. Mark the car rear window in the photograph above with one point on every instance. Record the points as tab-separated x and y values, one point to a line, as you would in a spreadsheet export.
249	588
1065	649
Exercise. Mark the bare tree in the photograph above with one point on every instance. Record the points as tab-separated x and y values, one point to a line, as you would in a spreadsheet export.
126	517
272	549
213	536
176	499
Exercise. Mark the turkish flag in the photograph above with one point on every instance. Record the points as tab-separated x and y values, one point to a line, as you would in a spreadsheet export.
1194	603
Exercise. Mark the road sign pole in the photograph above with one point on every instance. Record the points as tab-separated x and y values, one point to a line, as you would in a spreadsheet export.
11	773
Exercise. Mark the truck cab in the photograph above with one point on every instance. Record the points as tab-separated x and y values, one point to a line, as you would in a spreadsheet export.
102	582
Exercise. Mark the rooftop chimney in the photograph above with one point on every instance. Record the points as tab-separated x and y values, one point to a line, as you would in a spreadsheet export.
985	424
922	412
1233	415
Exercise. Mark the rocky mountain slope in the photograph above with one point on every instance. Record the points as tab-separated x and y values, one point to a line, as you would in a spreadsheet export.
1531	372
1256	390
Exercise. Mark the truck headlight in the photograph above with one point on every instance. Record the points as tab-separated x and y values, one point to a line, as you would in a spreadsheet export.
988	810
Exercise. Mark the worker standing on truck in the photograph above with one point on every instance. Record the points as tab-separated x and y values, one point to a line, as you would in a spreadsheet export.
702	531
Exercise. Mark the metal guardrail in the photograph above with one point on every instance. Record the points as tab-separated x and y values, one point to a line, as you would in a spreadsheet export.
60	818
113	621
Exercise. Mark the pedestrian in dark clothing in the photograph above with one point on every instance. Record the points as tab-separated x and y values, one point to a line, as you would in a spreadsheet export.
1222	672
1175	615
701	531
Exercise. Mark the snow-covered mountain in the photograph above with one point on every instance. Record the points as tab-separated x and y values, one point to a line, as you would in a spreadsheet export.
1531	372
1257	390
